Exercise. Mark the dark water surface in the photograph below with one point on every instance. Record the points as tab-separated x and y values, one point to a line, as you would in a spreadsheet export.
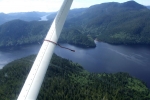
134	60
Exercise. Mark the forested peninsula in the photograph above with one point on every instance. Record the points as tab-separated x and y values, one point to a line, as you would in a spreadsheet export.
66	80
116	23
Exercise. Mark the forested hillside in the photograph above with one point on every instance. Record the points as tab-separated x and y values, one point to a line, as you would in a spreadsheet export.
116	23
18	32
66	80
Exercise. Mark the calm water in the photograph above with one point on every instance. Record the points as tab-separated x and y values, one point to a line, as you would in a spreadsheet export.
44	18
104	58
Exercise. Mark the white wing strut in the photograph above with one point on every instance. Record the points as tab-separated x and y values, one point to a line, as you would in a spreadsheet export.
35	78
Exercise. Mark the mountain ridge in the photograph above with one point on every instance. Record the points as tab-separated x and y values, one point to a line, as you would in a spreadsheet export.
133	4
26	16
116	23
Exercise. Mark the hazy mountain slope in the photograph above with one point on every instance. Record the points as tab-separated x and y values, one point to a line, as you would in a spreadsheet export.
66	80
148	7
72	13
3	18
26	16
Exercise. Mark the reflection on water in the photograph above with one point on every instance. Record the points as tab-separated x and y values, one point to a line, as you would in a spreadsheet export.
104	58
44	18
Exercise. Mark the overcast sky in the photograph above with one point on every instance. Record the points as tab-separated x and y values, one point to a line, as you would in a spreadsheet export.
8	6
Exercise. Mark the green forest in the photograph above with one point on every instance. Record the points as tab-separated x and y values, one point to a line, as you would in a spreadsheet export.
116	23
18	32
66	80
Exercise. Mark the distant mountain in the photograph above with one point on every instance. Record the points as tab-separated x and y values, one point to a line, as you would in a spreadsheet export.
26	16
72	13
4	18
66	80
148	7
117	23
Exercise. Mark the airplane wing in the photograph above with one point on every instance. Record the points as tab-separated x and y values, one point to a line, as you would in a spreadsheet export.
35	78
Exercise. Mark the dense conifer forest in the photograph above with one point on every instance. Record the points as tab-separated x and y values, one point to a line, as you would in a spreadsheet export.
66	80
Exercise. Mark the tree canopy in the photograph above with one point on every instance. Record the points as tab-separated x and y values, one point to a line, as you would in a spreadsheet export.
66	80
